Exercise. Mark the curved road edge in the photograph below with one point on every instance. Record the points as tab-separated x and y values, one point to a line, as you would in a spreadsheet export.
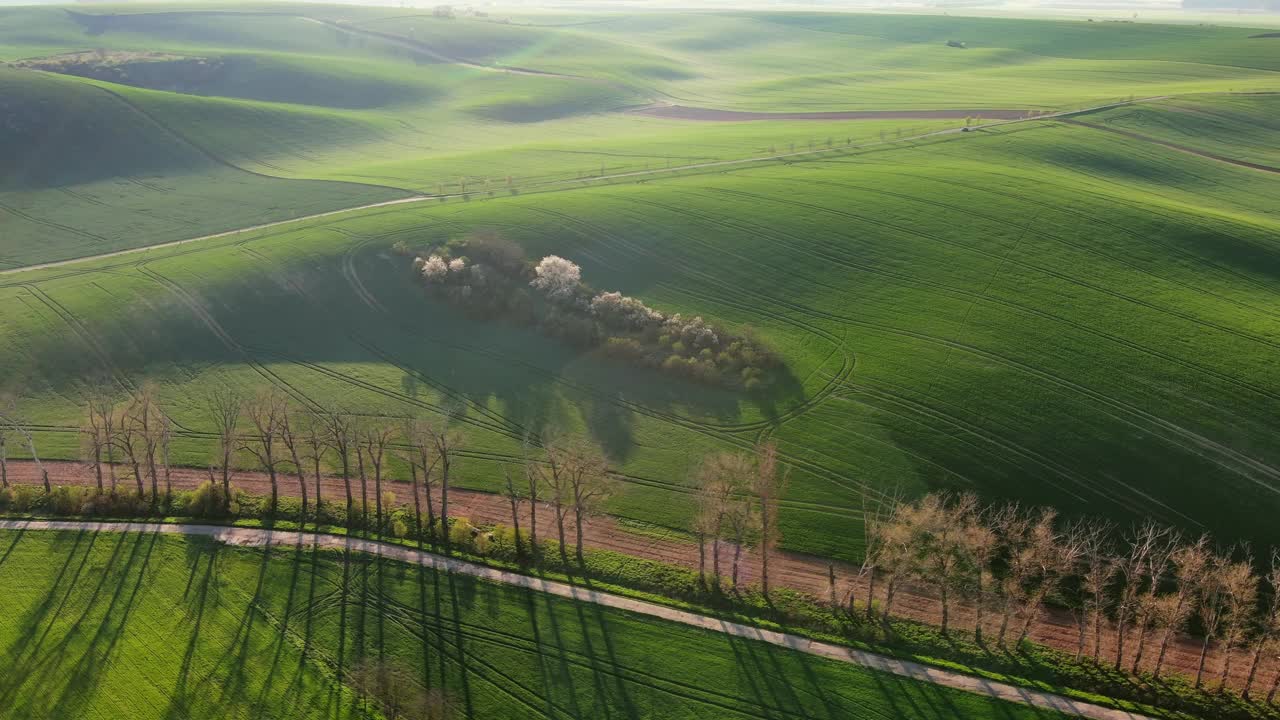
254	537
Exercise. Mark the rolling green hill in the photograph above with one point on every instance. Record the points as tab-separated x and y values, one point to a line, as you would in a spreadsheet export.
1048	312
164	627
385	97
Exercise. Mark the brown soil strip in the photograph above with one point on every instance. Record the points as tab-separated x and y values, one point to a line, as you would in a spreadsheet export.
681	112
1055	628
1174	146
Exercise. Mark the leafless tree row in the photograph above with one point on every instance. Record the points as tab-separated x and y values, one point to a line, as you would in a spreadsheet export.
738	496
287	440
1145	585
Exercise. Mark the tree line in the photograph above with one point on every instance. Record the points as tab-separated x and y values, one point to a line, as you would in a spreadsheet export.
490	277
126	445
1005	562
1143	586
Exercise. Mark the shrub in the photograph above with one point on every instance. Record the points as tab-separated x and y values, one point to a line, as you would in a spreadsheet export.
207	500
66	500
460	531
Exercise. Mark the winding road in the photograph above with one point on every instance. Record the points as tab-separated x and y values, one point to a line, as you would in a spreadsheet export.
254	537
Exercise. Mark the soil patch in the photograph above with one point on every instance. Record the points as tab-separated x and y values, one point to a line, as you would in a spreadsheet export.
682	112
151	70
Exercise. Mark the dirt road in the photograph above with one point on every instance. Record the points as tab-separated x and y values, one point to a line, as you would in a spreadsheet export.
251	537
682	112
1054	628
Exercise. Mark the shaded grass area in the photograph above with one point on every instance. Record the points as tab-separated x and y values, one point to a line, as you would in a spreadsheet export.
233	619
1240	128
86	172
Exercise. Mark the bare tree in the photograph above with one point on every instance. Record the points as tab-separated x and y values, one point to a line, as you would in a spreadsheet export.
145	414
1148	606
980	545
513	496
591	485
166	437
375	441
10	417
1269	622
315	440
895	557
1131	568
266	411
768	487
936	527
532	479
99	432
339	435
224	407
1240	586
1013	527
131	443
875	517
554	475
4	456
722	478
419	436
293	442
1190	562
1212	596
446	443
1098	569
1054	555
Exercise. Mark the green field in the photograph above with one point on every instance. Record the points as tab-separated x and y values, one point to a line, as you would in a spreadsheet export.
1100	343
382	103
149	626
1078	310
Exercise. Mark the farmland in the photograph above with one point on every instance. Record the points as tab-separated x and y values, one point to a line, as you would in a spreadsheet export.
994	339
1034	260
168	627
368	104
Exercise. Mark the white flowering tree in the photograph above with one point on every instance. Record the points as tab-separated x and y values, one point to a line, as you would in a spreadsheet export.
435	269
618	310
557	277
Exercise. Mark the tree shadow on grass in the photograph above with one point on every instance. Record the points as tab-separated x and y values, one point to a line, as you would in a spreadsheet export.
181	700
81	680
620	697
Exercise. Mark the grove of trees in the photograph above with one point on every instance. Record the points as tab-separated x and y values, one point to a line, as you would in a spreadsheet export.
491	277
1140	587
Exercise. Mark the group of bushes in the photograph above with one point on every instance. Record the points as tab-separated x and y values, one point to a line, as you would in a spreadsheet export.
203	502
491	278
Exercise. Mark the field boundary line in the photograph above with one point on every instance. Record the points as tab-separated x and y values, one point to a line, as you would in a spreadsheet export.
255	537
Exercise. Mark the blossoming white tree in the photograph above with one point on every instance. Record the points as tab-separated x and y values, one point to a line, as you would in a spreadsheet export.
435	269
557	277
616	309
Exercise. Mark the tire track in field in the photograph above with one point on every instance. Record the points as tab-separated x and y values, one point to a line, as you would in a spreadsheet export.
51	224
1096	218
406	616
212	324
1011	447
990	300
82	333
1087	218
1204	443
1024	264
1098	180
